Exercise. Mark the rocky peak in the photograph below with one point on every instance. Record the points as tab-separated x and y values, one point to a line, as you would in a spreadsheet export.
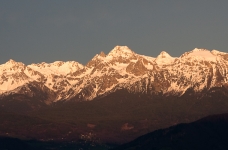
94	61
102	54
122	51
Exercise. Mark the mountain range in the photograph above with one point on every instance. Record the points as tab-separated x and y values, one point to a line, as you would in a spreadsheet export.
198	70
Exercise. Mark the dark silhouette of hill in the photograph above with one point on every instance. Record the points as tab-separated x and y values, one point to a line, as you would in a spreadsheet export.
209	133
7	143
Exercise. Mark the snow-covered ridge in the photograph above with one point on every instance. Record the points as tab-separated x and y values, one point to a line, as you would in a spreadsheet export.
57	67
120	68
200	54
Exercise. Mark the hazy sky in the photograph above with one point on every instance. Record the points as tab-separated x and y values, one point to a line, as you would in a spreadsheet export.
34	31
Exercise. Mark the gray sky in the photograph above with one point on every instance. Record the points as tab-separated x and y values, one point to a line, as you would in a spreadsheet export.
34	31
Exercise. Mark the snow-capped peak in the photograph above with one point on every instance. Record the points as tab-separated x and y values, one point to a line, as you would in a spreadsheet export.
123	51
13	62
200	54
12	66
164	58
163	54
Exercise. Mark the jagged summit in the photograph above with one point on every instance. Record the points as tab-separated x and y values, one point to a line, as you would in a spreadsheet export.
118	54
95	60
123	51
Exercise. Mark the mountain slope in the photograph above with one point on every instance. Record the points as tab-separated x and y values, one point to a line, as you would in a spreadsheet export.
209	133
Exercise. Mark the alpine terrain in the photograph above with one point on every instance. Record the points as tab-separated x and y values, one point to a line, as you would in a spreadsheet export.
114	98
198	70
